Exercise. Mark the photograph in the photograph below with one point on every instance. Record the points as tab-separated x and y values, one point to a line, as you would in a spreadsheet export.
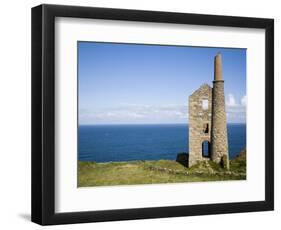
141	114
150	114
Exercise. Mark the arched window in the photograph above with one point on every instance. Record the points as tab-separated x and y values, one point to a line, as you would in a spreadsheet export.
206	149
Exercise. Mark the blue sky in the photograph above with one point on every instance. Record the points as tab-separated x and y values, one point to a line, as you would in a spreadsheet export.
150	84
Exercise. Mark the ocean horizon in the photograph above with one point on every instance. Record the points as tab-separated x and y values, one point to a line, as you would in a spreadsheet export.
131	142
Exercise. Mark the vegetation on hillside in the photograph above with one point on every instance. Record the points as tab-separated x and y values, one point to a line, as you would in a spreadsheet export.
160	171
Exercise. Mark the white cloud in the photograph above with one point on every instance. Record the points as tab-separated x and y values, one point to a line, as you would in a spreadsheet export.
170	113
236	112
244	100
230	100
136	113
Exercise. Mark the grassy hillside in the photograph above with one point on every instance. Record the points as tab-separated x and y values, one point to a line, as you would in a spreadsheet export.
160	171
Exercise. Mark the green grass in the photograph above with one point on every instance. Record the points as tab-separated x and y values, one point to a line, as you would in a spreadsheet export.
238	164
152	172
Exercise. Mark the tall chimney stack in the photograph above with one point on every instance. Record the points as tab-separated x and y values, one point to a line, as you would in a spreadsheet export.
219	139
218	67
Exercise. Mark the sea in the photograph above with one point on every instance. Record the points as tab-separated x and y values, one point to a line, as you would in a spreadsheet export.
109	143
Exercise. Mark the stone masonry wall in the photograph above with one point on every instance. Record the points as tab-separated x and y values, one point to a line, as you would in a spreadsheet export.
219	146
198	119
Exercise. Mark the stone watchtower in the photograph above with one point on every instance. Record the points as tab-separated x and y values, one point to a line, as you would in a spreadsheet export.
207	121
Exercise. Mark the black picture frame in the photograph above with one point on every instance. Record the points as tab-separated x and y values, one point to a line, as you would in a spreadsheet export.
43	114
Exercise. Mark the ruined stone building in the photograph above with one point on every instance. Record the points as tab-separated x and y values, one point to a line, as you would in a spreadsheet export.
207	121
